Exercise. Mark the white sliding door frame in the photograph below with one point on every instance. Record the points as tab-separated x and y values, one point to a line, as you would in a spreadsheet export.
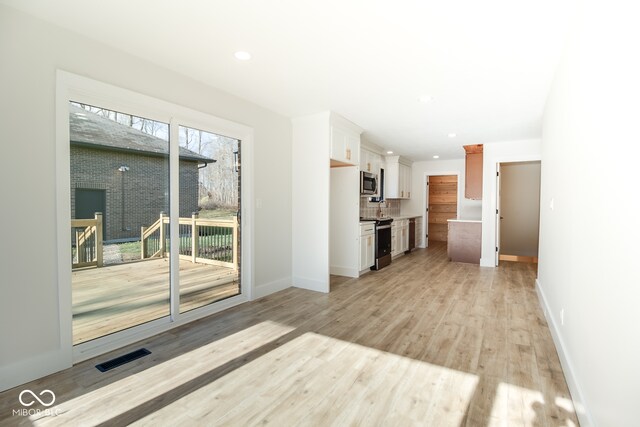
72	87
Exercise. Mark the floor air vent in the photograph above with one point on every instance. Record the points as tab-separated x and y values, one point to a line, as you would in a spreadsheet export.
129	357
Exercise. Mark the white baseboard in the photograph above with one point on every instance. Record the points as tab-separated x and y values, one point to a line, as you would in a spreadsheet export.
344	271
565	360
363	272
311	284
26	370
271	287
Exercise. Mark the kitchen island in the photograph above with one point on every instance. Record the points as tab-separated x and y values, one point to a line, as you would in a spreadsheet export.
464	240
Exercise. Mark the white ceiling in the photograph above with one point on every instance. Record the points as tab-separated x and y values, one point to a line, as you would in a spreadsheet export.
487	64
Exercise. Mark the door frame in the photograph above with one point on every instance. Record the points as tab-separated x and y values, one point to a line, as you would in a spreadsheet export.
498	212
72	87
488	257
498	202
424	243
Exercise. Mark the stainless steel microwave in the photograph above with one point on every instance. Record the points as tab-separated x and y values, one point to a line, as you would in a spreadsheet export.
368	183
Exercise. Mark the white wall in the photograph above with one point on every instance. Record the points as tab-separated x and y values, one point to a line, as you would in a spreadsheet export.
310	217
494	153
589	240
467	209
31	51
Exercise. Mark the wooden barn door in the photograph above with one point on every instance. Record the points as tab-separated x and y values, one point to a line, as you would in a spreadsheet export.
443	205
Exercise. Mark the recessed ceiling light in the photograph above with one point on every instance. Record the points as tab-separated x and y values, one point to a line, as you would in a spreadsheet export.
452	135
436	157
389	152
242	55
425	99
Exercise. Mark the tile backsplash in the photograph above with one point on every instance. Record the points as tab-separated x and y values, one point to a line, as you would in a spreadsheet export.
370	210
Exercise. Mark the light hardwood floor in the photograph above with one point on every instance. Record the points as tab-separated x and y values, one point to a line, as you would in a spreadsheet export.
421	342
117	297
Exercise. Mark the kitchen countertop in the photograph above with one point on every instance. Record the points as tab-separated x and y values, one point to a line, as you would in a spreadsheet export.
464	220
405	217
395	218
367	222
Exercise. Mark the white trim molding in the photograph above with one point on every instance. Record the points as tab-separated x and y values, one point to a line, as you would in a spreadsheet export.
494	154
582	411
269	288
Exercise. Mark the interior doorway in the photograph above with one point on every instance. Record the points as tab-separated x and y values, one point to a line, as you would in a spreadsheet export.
518	221
442	205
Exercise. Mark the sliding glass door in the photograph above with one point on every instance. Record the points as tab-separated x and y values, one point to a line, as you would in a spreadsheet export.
119	179
122	253
209	229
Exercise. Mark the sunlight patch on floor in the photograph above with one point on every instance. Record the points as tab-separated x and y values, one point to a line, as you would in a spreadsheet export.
111	400
318	380
524	407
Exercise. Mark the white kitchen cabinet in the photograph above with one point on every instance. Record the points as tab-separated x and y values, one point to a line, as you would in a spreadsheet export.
345	145
370	161
395	242
420	234
367	246
404	235
405	188
397	178
365	162
399	236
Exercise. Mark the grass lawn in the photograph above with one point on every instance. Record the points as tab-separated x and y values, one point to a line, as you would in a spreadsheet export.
217	214
129	248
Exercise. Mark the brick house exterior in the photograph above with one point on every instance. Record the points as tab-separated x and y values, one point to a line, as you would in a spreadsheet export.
99	147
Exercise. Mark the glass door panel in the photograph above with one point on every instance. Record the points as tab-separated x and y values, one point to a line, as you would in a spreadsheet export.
119	169
209	229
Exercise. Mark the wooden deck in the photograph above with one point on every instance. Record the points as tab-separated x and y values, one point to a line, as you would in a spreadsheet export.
114	298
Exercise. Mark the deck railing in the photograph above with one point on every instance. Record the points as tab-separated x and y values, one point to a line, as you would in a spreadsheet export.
207	241
86	236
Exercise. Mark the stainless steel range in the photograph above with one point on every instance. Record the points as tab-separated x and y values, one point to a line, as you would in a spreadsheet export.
383	241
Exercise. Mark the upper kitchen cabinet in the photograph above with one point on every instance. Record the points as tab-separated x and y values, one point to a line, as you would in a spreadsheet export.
370	161
397	178
473	172
345	141
405	181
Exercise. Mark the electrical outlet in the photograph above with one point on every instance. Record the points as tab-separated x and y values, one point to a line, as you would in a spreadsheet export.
562	317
